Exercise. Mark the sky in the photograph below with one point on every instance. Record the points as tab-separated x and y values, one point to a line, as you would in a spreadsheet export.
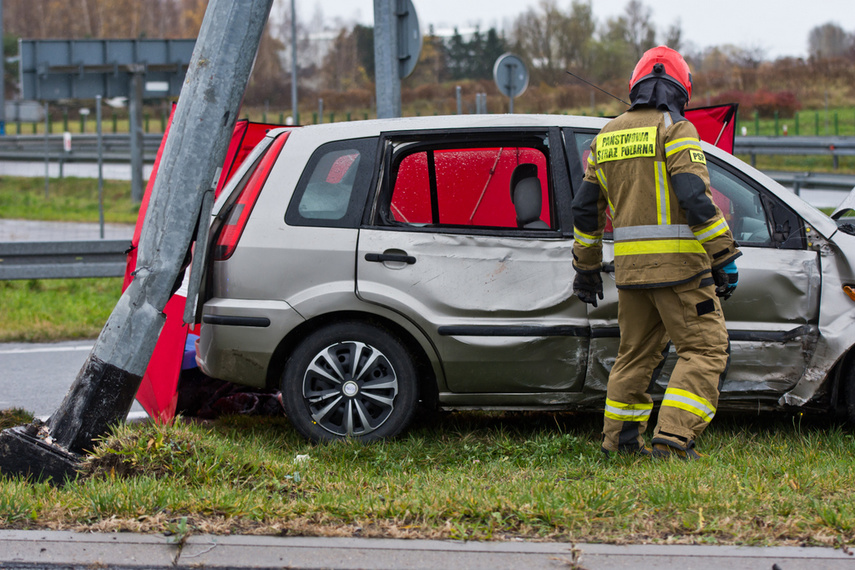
778	27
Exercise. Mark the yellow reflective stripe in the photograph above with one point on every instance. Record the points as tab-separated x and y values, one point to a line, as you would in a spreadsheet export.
601	176
586	240
591	160
663	196
712	231
634	233
627	412
682	144
676	398
658	246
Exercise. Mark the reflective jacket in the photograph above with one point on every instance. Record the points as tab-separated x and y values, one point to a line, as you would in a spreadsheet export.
648	168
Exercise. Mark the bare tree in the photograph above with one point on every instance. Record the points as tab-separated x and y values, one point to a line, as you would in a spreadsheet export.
641	33
539	35
828	40
674	36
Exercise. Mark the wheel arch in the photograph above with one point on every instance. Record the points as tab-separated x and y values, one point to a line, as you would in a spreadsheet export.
842	385
424	365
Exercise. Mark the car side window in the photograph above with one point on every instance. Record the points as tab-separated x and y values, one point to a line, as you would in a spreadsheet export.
333	186
741	205
482	186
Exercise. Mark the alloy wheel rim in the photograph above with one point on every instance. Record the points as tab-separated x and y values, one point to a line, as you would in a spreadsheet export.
350	388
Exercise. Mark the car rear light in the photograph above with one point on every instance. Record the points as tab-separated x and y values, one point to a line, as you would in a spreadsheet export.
849	291
233	228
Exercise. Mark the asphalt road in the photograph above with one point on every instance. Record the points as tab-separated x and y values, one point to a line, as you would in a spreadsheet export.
36	377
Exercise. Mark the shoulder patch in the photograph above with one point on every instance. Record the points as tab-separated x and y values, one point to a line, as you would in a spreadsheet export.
698	156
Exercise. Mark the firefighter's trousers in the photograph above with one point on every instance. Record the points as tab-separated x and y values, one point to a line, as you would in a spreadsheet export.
690	315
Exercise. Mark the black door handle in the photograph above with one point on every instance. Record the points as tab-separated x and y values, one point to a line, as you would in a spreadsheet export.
382	257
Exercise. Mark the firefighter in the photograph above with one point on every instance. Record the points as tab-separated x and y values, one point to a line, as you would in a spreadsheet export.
674	259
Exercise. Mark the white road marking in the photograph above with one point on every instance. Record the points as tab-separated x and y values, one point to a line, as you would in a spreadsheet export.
36	349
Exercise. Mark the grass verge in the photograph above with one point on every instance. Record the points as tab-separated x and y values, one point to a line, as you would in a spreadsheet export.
479	476
68	200
41	310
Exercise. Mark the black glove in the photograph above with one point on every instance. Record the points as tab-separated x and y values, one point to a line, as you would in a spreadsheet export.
588	286
726	278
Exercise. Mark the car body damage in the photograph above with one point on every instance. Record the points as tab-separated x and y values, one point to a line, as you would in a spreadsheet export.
836	330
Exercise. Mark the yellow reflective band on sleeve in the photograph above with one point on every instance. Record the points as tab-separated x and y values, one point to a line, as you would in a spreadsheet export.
591	160
601	176
712	231
663	196
621	412
586	240
628	143
682	144
676	398
658	246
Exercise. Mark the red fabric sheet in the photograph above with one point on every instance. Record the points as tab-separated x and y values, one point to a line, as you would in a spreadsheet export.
716	125
157	393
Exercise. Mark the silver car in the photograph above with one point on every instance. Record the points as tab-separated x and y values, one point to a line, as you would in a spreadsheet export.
366	268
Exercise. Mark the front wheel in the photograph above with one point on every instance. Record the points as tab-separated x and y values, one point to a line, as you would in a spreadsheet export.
349	380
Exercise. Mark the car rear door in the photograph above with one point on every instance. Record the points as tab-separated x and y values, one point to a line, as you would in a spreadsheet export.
442	246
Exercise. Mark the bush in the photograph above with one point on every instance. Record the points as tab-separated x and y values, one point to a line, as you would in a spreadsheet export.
763	101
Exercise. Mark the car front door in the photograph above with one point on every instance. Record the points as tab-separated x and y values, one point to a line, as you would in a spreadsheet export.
772	319
489	284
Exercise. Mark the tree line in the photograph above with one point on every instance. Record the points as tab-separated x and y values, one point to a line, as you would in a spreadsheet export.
553	37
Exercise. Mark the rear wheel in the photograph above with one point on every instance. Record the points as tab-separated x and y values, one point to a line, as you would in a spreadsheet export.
349	380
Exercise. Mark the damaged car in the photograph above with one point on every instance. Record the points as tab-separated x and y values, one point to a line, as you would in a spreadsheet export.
367	268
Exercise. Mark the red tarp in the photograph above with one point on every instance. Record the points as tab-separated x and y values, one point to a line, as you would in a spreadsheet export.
158	390
716	125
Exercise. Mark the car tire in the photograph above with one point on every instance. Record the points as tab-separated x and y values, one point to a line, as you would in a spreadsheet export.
350	380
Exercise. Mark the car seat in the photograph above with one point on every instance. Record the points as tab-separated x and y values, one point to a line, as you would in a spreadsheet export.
526	195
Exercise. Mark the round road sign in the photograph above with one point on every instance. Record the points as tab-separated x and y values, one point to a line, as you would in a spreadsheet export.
511	75
409	38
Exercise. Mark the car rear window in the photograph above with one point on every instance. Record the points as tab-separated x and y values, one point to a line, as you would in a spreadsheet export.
333	186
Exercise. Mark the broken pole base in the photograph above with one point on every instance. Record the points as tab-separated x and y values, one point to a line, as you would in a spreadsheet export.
23	453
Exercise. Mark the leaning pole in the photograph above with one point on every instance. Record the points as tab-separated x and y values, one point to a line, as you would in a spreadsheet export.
195	148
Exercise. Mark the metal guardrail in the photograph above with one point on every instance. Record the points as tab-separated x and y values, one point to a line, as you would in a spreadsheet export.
117	146
63	260
813	180
84	148
835	147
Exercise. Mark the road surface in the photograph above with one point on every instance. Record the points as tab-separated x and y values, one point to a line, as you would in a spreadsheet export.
36	377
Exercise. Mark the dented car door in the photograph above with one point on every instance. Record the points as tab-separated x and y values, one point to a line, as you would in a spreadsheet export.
447	248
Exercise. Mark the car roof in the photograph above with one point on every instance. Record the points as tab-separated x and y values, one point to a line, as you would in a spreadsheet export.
374	127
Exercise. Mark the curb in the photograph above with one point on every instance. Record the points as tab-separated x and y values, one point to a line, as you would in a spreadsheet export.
50	549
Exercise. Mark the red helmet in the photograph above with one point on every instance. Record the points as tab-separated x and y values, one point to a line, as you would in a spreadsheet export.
663	62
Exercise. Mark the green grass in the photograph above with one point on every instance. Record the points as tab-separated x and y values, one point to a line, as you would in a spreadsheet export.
68	199
807	122
482	476
40	310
